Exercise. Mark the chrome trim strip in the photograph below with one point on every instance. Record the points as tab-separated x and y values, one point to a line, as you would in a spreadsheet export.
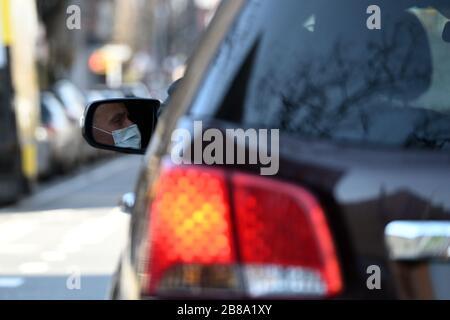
418	240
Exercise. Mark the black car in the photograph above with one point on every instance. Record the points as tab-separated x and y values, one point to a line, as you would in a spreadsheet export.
355	97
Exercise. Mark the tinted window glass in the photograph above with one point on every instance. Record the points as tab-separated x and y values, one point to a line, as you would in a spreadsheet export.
316	70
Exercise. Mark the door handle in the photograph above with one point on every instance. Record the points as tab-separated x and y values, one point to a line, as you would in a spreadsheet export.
418	240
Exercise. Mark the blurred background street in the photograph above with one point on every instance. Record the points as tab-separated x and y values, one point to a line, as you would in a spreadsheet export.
59	221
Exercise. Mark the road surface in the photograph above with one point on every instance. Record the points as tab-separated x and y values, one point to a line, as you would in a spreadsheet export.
65	240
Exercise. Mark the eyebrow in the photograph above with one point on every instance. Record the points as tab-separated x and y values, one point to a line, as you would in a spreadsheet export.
118	116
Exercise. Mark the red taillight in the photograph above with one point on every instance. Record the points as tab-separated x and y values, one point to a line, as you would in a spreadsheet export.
190	221
282	225
213	231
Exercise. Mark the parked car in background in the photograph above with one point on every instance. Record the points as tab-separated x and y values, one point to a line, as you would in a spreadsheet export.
138	90
74	102
62	134
359	207
44	153
110	93
72	99
93	95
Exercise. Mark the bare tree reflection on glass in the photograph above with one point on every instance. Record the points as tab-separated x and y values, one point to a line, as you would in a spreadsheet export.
355	87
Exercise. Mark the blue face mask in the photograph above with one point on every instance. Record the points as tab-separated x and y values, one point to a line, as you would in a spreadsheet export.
129	137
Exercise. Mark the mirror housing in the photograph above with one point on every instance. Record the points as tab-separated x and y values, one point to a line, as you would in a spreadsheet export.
111	124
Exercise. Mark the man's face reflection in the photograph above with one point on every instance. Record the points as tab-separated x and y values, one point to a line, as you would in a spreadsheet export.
108	118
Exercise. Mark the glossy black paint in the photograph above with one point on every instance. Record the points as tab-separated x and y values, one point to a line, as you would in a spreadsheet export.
361	187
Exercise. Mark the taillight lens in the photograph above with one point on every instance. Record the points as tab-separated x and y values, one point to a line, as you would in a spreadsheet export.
285	243
190	225
227	233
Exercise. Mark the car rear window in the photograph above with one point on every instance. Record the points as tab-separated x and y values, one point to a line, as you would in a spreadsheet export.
325	69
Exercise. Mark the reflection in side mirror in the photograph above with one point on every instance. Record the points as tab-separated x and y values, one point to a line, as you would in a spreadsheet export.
123	125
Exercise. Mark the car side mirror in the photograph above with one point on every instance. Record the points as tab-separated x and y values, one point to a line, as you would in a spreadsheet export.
122	125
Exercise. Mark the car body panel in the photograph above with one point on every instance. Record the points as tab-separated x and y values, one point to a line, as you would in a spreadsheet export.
361	187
